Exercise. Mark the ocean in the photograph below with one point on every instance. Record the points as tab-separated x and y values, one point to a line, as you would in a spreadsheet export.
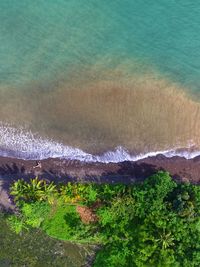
99	80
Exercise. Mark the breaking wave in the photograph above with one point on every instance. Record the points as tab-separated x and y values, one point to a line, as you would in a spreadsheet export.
18	143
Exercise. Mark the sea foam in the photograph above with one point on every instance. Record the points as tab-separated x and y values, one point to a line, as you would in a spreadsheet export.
23	144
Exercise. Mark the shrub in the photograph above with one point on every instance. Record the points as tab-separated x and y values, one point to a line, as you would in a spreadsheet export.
16	223
35	190
63	223
154	223
35	213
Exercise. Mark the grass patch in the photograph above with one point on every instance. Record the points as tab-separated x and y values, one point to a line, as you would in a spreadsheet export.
154	223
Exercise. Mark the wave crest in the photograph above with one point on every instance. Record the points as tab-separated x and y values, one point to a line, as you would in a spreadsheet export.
18	143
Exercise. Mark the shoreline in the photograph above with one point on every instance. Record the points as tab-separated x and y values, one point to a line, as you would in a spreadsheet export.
181	169
62	170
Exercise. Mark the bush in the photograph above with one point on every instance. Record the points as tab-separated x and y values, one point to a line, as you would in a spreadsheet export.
63	223
154	223
35	190
32	215
35	213
16	223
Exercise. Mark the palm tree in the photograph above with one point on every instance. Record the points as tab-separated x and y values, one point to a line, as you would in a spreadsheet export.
18	189
33	191
165	240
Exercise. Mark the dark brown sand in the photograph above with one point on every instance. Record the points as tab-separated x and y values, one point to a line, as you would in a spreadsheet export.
60	170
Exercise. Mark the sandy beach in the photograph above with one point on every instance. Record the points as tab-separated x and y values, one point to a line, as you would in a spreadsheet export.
61	170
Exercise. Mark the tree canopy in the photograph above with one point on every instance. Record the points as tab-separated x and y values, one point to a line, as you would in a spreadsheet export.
154	223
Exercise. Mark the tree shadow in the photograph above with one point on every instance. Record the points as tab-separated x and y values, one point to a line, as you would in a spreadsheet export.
124	172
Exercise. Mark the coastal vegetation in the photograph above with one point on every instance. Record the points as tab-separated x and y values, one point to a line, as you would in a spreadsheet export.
153	223
34	248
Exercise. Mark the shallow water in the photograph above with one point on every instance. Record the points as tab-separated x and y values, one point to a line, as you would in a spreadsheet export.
99	75
34	248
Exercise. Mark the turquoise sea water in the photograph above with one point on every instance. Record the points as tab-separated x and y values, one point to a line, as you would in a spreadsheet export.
44	38
53	51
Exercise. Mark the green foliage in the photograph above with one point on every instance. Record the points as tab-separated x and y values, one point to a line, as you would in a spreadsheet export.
16	223
32	215
34	248
109	191
90	193
154	223
33	191
116	217
116	254
73	193
35	213
82	193
151	194
150	227
18	190
63	223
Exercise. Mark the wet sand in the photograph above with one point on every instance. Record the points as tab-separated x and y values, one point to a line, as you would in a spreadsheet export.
60	170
